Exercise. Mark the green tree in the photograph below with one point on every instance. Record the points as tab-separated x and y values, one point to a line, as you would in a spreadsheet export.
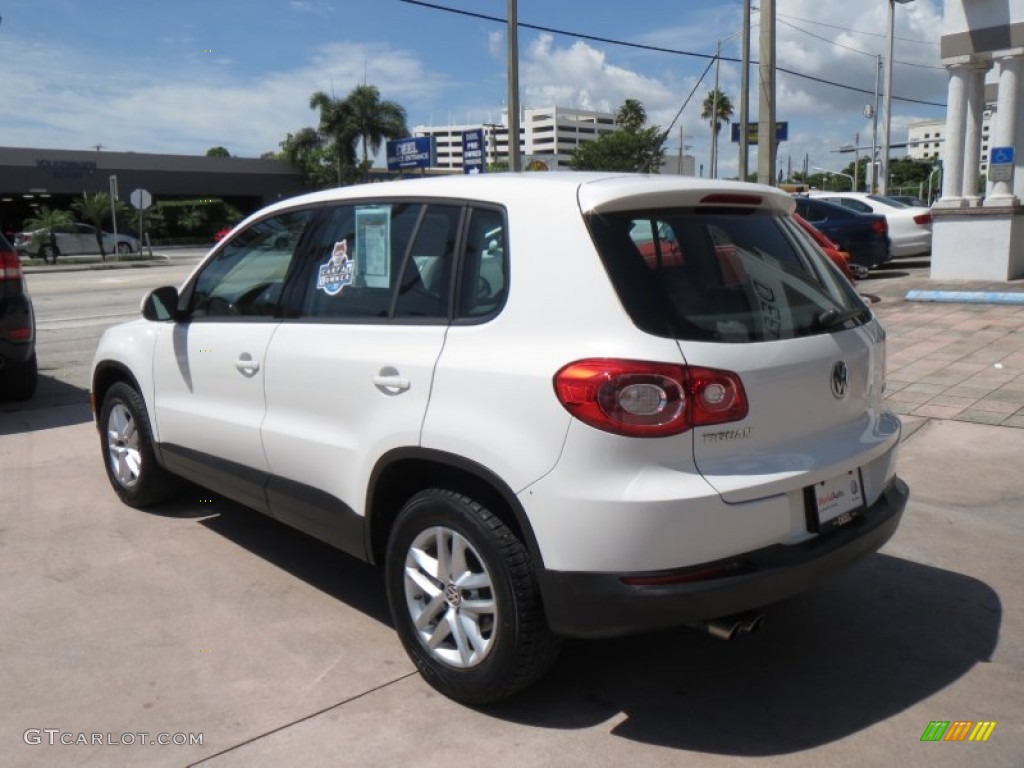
335	134
217	152
43	224
191	218
308	151
633	148
716	109
373	121
95	208
631	115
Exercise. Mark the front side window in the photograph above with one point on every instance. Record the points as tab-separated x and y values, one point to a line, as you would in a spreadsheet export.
246	277
722	275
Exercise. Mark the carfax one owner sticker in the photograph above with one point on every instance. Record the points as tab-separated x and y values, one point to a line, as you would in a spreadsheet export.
337	272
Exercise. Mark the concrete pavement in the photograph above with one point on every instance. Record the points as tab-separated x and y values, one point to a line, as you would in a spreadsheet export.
203	618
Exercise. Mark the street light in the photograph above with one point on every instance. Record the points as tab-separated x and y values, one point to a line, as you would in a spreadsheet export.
853	185
883	182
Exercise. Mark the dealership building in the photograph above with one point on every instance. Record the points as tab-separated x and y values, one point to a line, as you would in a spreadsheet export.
31	178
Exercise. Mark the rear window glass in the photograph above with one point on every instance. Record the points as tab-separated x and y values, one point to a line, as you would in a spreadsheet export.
729	276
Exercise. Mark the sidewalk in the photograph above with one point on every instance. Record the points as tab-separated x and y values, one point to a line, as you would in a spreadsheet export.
79	263
959	361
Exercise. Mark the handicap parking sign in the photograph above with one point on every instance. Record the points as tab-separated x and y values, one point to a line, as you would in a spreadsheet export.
1002	155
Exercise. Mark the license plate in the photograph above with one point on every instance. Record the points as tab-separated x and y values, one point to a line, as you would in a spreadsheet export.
837	500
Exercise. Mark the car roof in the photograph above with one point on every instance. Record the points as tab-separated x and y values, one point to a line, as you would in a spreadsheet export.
595	191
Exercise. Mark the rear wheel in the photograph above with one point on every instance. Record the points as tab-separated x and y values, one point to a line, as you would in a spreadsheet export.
464	599
123	249
49	253
127	443
18	382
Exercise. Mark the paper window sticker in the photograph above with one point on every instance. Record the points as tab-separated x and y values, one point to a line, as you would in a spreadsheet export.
337	271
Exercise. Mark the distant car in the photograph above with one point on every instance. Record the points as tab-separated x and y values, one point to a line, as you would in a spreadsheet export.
71	239
18	371
908	200
910	229
839	257
220	234
865	236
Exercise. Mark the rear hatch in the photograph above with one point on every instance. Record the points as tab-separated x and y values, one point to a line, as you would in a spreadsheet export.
742	289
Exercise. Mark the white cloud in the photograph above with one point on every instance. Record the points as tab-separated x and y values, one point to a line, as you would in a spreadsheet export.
72	100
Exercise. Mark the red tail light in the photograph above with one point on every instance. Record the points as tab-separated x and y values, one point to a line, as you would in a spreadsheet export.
881	226
10	266
924	219
643	399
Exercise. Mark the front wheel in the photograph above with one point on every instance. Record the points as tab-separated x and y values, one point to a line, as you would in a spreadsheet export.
49	253
464	599
127	444
123	249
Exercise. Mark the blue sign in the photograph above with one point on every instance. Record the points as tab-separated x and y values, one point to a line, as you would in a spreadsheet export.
1001	156
473	154
417	152
781	132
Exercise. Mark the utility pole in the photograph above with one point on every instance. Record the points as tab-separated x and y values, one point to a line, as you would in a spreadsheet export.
514	162
766	142
745	92
883	182
714	115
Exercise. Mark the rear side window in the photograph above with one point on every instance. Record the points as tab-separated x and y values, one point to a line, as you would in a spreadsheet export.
381	261
723	275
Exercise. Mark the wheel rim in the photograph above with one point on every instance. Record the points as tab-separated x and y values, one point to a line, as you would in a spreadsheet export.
123	446
450	596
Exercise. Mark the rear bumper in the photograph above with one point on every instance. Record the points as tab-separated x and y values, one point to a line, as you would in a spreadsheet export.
602	605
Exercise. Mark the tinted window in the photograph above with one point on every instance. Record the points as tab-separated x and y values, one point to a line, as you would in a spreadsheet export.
734	276
485	266
247	275
379	261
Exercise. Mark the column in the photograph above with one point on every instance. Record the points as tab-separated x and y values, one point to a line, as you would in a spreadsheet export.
1005	128
972	141
953	147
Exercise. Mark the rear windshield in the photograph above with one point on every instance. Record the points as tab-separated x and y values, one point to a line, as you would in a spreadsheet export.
730	275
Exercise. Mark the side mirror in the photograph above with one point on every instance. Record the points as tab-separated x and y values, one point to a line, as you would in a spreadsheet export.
161	304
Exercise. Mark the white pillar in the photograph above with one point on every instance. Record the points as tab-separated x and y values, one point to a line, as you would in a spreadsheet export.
953	147
972	139
1005	128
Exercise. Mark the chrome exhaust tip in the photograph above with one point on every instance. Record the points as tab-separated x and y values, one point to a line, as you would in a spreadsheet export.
727	627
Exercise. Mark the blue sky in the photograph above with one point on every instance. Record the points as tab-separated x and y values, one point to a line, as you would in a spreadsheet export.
180	77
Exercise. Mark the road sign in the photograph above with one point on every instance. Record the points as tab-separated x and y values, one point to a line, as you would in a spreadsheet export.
473	151
1001	156
141	199
1000	172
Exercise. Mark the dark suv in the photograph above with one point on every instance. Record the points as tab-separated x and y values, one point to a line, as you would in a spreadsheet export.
17	329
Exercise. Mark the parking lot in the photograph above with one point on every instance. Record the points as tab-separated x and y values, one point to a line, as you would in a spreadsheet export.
202	621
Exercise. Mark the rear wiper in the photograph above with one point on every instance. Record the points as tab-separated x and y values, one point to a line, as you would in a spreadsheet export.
831	318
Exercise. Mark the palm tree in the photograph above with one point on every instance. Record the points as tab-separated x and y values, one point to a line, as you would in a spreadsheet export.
335	130
95	209
718	104
374	121
43	223
631	115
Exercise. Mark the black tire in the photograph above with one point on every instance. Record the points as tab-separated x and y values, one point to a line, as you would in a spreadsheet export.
123	249
18	382
518	645
137	477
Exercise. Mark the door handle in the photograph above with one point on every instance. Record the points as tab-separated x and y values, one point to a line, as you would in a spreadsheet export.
246	365
390	381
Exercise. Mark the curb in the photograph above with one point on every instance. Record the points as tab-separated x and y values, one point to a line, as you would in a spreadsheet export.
157	261
966	297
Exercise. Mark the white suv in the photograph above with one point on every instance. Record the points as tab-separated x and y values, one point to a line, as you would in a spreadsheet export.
548	404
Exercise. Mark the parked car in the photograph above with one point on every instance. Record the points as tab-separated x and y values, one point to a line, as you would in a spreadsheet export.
482	384
839	257
908	200
910	229
18	370
865	236
71	239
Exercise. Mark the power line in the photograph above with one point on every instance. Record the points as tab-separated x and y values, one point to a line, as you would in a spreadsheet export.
856	31
851	48
656	49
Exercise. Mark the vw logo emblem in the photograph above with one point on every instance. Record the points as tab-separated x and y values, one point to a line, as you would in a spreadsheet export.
840	380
